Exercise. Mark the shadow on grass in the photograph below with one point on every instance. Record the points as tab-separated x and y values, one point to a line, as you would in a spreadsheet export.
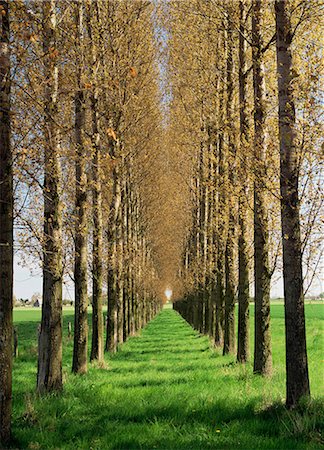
165	389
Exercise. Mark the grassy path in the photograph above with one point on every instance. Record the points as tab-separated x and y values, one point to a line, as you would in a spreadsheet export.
165	389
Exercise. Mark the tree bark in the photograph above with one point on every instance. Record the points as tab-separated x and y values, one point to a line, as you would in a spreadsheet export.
119	279
49	375
112	324
210	281
97	253
115	288
125	272
229	323
262	347
221	207
6	230
203	229
243	254
131	241
79	364
297	381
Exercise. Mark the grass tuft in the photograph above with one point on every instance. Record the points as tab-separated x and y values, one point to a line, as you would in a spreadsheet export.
29	416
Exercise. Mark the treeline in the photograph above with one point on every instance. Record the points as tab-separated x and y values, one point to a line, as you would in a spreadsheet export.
80	118
141	149
246	111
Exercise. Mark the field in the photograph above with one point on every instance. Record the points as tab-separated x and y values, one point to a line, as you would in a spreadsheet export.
167	389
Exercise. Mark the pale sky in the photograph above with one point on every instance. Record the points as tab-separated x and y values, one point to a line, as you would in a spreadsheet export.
26	283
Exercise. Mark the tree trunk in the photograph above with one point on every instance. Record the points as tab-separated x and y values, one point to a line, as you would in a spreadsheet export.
210	288
119	281
79	364
262	347
229	323
6	230
125	271
128	237
131	241
49	375
243	257
221	209
297	382
97	255
206	250
198	223
112	325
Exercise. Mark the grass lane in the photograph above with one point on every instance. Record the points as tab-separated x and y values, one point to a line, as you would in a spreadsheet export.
166	389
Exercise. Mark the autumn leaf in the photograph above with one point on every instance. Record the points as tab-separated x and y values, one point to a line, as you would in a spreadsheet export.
112	163
87	85
133	72
111	133
33	38
53	53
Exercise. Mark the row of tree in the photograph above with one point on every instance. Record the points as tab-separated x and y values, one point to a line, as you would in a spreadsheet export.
79	120
231	66
139	151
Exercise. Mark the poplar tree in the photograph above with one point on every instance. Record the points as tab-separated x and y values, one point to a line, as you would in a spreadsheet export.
49	374
230	276
243	253
297	381
80	350
222	202
6	230
94	26
262	277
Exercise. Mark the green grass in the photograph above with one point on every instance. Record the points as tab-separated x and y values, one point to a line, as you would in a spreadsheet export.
167	389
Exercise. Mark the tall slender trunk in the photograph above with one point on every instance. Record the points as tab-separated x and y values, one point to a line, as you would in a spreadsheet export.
125	272
262	347
138	266
97	253
119	281
205	237
128	237
79	364
198	286
142	263
297	381
112	324
202	231
229	323
135	261
131	241
49	374
210	284
243	254
6	230
221	207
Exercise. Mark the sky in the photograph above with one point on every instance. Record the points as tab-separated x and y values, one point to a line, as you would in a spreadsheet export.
28	281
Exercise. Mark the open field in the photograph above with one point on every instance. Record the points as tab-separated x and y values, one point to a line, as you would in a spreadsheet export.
167	389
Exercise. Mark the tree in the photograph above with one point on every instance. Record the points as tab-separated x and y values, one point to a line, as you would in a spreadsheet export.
262	276
296	354
243	256
221	205
93	16
49	374
36	299
6	229
230	276
80	350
